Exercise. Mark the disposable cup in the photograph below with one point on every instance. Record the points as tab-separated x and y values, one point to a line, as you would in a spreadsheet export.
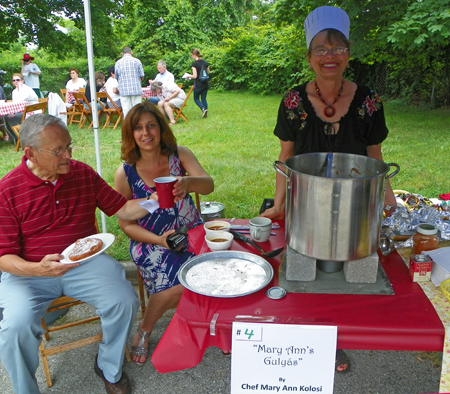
164	187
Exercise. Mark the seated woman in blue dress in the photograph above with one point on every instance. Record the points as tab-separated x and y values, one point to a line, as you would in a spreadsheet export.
149	151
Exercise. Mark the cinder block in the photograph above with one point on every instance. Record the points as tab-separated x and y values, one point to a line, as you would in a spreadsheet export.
363	270
299	267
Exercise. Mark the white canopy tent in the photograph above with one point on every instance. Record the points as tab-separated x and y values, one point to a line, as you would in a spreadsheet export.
91	67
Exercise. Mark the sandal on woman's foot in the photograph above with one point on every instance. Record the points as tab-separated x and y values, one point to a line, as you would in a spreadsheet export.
342	363
140	349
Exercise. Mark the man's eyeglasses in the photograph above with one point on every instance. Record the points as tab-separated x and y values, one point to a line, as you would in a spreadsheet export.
16	80
324	52
59	152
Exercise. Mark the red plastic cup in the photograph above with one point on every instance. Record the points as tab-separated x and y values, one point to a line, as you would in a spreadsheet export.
164	188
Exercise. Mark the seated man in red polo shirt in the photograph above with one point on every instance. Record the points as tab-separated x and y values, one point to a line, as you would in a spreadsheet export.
46	204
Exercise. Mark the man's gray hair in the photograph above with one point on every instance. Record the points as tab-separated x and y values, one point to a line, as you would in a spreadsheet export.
162	63
126	50
31	128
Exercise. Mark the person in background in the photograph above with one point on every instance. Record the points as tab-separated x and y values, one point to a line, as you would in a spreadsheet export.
163	76
200	86
2	125
112	88
129	73
35	230
75	83
170	96
31	73
149	151
99	86
20	93
330	113
2	72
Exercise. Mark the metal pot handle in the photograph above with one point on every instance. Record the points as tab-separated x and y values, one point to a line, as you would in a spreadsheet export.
277	169
395	172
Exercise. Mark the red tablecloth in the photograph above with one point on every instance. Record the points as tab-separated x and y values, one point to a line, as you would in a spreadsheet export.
404	321
147	92
12	108
69	96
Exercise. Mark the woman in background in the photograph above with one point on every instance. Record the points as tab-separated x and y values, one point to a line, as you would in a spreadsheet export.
170	96
75	83
20	93
112	88
201	85
99	86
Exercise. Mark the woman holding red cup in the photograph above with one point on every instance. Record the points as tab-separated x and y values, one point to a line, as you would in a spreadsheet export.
149	152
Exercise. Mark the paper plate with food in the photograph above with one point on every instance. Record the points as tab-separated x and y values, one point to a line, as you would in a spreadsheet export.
87	248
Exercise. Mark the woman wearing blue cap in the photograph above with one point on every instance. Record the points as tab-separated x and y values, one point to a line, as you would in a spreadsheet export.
330	113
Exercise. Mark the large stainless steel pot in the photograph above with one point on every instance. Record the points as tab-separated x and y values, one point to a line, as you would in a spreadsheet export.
334	204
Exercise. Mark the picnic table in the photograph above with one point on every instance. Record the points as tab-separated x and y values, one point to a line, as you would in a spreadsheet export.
9	107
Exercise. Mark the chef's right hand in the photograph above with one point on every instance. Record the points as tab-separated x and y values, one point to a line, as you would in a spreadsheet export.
50	265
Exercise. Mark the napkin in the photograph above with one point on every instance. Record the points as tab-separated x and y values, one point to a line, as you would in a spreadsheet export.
441	264
150	205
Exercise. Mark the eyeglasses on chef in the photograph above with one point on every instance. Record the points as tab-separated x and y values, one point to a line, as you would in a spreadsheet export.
324	52
59	152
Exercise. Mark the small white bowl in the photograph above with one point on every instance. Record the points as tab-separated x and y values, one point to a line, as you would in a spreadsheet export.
222	245
219	224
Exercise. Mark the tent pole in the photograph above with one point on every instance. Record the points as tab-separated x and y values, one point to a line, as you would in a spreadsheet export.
92	84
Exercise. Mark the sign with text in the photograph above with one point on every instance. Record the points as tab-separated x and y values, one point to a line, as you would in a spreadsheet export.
281	358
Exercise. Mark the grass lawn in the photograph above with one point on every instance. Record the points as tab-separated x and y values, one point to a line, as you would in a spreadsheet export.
236	146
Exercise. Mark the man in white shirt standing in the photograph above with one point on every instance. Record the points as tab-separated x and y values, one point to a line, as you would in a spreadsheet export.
129	73
163	76
31	72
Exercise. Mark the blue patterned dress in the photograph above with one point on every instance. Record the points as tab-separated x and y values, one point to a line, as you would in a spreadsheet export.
158	265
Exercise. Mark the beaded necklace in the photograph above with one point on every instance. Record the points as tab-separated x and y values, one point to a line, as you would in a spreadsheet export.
329	110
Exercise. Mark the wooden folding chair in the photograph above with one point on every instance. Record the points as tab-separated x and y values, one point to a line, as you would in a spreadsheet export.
60	303
73	116
80	101
179	111
110	112
28	110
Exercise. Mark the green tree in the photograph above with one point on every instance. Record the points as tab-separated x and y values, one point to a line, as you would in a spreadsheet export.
369	21
423	38
38	21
